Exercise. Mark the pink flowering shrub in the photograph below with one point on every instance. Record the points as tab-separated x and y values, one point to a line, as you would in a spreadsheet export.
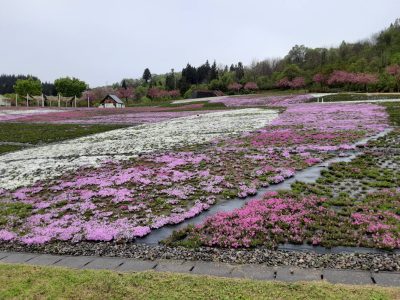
393	70
235	87
295	83
156	93
343	77
319	78
126	93
251	86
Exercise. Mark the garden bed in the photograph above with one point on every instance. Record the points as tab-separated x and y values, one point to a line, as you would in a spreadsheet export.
353	203
126	198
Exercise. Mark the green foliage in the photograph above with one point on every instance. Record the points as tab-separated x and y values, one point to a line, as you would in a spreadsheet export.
393	109
70	87
29	86
291	71
216	105
170	81
17	209
358	96
188	94
140	92
9	148
215	84
42	133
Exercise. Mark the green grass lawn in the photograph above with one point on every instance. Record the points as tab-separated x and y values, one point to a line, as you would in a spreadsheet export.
9	148
47	133
32	282
393	109
359	96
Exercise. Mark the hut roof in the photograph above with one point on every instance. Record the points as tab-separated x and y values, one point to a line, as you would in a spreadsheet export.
115	98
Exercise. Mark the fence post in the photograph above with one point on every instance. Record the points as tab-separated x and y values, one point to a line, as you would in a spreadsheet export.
16	100
27	104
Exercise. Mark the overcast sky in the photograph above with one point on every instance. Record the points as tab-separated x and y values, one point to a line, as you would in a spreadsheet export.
102	41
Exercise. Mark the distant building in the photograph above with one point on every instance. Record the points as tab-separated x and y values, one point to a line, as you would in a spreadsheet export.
4	101
111	101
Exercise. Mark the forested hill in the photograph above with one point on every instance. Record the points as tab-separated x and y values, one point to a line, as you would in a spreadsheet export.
378	55
372	64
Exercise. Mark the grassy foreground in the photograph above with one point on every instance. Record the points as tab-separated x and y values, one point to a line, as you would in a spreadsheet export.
29	282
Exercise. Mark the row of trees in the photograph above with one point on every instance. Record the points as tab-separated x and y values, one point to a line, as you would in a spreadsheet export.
66	86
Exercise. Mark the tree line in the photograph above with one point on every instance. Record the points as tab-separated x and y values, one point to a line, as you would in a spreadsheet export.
367	65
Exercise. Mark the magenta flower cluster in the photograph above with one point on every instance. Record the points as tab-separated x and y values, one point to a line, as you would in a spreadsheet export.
263	101
286	218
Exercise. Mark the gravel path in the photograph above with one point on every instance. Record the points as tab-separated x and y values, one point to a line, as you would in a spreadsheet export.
305	259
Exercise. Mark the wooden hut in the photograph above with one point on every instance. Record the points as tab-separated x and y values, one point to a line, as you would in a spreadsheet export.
112	101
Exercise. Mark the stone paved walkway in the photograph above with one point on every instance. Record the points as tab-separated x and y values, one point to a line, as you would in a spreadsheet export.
258	272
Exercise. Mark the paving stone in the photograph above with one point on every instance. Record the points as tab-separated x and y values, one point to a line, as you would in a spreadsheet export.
18	258
387	278
174	266
3	254
45	260
104	263
259	272
133	265
74	261
291	274
347	276
213	268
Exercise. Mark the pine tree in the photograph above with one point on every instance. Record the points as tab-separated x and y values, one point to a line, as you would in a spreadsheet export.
146	75
213	71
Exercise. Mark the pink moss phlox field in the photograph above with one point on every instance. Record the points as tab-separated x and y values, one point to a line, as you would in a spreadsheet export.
123	200
281	219
262	220
263	101
128	116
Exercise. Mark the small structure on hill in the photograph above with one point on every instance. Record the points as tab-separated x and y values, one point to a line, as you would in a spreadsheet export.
111	101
